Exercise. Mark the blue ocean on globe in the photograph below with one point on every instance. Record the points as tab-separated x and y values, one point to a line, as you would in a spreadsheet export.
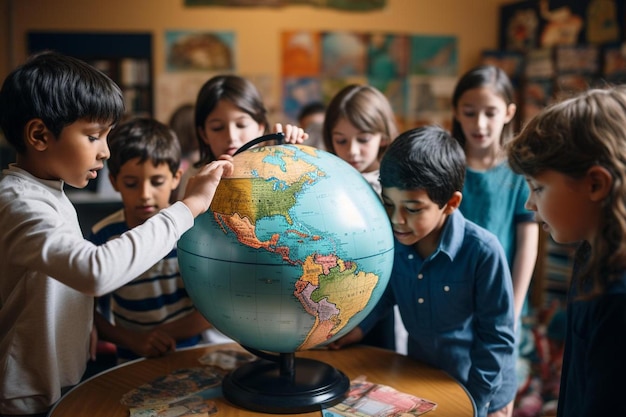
295	250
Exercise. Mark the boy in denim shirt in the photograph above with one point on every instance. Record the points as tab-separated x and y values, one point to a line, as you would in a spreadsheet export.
450	277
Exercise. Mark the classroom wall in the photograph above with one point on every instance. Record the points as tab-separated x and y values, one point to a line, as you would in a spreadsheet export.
475	23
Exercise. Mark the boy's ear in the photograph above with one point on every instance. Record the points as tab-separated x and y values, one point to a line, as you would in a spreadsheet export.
600	181
37	135
453	203
176	178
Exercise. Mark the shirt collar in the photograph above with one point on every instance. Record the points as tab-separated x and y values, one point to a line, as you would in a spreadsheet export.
55	186
452	235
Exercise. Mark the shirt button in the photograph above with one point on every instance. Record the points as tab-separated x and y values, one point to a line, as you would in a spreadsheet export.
420	300
420	276
410	256
446	288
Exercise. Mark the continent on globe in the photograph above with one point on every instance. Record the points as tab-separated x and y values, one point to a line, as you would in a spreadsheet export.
295	250
332	291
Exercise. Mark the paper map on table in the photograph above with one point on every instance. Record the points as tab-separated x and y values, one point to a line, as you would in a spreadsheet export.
367	399
186	392
174	387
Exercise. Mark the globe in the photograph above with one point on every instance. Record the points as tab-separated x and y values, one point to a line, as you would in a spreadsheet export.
295	250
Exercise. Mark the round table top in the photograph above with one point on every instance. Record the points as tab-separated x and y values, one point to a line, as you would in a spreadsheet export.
101	394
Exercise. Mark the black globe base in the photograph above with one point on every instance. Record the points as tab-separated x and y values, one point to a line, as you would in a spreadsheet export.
294	385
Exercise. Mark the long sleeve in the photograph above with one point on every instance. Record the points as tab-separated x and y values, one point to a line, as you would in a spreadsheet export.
46	224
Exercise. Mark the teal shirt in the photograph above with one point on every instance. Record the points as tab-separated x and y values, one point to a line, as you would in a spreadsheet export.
494	199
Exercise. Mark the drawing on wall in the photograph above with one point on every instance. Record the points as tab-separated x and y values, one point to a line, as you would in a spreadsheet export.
614	69
562	26
298	91
401	66
433	55
526	25
387	56
429	100
536	94
204	51
511	62
301	54
352	5
343	54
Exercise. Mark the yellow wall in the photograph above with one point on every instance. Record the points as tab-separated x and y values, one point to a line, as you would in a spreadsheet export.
258	30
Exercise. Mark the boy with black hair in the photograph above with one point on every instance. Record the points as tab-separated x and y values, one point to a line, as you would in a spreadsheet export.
57	111
153	314
450	277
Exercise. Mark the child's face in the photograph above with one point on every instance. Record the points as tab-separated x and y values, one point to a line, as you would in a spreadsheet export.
562	206
77	154
227	128
145	189
359	149
482	115
415	218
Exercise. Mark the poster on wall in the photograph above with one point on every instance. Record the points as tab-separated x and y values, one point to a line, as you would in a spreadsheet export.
535	24
317	65
352	5
199	51
433	55
344	54
301	54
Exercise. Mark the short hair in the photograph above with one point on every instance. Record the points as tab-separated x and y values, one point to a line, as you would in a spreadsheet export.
426	158
313	107
144	138
366	108
240	92
59	90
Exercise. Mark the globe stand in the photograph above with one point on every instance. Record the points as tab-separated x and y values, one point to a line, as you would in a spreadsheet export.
284	384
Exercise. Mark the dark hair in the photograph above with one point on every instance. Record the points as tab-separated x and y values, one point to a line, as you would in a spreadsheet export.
182	123
59	90
426	158
570	137
146	139
308	109
366	108
240	92
484	76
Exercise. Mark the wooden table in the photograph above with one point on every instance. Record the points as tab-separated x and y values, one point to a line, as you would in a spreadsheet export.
100	396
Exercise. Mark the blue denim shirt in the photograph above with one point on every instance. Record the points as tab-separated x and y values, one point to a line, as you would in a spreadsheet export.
457	306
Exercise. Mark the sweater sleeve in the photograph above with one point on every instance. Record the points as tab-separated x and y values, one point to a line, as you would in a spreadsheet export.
43	240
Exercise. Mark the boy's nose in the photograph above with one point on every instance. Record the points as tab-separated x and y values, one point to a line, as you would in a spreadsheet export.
105	152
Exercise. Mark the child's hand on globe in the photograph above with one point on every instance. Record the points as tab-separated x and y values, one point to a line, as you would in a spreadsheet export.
201	187
293	134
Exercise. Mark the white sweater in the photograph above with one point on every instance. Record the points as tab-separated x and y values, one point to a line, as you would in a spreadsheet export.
48	276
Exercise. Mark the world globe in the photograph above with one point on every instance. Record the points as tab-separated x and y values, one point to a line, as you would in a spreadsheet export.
295	250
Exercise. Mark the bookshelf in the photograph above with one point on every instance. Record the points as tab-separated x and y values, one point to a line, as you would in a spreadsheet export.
125	57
